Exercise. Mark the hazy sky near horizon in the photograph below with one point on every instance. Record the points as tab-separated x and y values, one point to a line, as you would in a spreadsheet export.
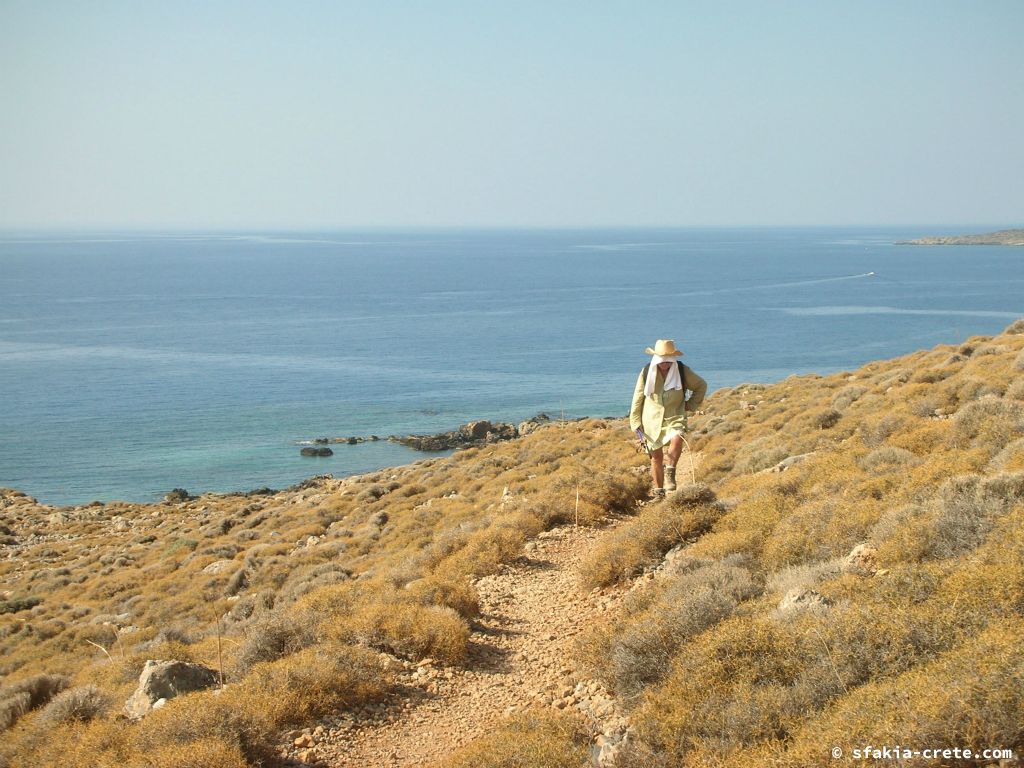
274	115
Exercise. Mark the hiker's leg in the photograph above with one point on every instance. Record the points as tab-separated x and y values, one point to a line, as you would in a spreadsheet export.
658	468
675	449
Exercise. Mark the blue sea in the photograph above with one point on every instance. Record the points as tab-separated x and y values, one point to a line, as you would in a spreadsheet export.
131	364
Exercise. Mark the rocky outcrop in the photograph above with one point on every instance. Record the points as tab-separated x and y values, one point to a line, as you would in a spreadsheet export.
861	560
163	680
320	451
351	440
473	433
533	424
803	598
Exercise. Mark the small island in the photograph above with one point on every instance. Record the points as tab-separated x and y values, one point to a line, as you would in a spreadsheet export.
1002	237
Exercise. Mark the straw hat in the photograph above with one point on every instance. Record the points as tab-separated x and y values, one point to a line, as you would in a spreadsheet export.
664	348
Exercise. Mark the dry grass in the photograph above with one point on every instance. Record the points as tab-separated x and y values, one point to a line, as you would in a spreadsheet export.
81	704
643	541
637	650
533	739
25	695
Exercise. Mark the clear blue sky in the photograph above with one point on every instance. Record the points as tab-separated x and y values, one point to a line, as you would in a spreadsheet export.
344	114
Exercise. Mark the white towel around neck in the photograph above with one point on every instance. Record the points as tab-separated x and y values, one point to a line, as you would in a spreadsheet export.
672	380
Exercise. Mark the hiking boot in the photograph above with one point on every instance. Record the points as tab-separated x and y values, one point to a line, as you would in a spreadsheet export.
670	478
657	494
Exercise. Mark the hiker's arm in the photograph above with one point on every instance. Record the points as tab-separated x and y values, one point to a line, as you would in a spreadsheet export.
636	411
698	388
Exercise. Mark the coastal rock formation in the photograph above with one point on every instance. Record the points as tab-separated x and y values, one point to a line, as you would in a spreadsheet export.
351	440
1002	237
528	426
310	451
473	433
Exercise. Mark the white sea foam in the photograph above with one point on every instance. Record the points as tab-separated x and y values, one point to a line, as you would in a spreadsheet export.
621	246
832	311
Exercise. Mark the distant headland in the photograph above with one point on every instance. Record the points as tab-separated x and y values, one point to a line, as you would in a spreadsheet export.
1002	237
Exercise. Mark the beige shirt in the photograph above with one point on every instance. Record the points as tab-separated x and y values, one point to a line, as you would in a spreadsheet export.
665	411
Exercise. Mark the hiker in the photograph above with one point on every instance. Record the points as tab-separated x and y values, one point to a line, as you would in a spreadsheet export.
660	405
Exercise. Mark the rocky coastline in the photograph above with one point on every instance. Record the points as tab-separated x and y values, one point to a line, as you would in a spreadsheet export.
1002	237
468	435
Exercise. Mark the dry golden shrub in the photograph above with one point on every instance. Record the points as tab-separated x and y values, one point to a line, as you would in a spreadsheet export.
991	583
490	547
725	690
636	651
1016	327
25	695
989	423
455	593
273	635
201	753
755	680
745	527
847	396
956	520
602	494
71	745
535	739
83	703
224	719
1010	459
759	454
643	541
407	629
1015	391
889	458
309	684
971	696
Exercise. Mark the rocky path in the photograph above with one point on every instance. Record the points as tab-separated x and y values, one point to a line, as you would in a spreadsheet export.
522	650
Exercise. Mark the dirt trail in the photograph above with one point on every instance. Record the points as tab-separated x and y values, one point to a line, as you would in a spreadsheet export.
531	614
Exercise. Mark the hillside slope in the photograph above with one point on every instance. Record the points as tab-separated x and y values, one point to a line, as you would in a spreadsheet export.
341	613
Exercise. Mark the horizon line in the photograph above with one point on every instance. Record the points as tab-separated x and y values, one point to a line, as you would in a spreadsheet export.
224	229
